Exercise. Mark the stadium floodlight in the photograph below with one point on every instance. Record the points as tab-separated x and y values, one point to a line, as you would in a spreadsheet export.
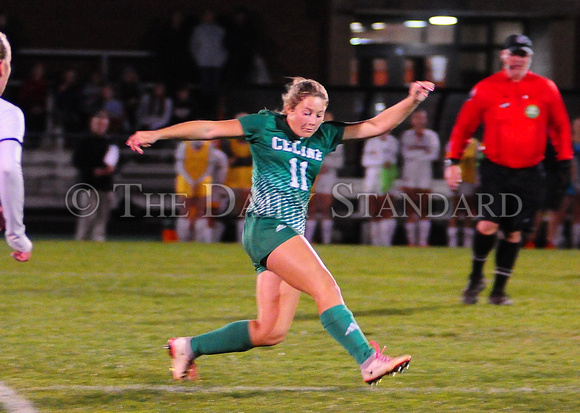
443	20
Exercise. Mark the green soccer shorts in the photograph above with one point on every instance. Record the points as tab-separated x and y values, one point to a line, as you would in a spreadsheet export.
262	235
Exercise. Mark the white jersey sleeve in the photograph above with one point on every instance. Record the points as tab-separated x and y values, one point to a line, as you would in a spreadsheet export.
11	179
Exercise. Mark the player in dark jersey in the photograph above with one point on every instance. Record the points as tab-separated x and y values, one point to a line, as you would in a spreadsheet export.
287	150
518	109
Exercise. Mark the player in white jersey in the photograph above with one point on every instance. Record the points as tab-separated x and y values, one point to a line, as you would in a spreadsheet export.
380	162
321	201
420	147
11	180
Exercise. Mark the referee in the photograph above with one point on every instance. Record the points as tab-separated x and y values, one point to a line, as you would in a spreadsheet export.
518	109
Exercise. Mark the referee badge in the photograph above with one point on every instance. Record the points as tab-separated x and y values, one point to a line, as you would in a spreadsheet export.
532	111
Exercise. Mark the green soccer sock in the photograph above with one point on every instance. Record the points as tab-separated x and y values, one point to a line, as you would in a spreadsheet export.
231	338
340	324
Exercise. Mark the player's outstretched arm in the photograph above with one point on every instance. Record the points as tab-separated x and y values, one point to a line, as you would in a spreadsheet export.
391	117
193	130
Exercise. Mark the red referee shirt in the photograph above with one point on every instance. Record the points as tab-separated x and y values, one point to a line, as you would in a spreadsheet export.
517	118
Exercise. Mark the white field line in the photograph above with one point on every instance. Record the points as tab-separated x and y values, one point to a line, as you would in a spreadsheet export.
305	389
13	403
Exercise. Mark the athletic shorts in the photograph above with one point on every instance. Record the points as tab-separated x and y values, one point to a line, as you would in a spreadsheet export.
373	180
510	197
262	235
198	191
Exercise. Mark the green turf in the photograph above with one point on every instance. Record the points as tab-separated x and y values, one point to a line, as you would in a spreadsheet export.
83	325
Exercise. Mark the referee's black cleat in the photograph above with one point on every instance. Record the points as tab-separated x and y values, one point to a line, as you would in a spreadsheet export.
470	293
500	299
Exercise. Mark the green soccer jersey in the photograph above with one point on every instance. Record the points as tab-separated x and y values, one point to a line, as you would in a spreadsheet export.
285	165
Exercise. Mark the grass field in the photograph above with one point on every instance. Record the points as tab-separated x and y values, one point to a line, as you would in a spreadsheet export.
83	325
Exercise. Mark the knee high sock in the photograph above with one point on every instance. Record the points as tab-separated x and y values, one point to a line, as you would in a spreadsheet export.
505	258
232	338
482	245
340	324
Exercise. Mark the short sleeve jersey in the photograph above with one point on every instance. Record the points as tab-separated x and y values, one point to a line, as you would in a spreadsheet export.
285	165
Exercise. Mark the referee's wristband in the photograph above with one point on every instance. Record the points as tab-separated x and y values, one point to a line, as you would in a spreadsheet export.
451	161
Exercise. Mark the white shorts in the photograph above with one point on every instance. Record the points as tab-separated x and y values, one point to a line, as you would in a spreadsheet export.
418	176
373	181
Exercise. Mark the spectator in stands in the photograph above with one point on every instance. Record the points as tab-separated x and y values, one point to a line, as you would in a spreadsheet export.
320	207
463	200
518	109
198	164
114	107
68	101
185	107
91	94
420	147
11	180
95	158
239	177
33	98
155	108
208	50
130	93
380	162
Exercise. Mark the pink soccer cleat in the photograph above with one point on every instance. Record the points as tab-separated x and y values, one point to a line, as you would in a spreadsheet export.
21	255
182	358
379	365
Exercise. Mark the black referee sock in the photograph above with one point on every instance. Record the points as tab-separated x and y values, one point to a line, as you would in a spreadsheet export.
505	258
482	245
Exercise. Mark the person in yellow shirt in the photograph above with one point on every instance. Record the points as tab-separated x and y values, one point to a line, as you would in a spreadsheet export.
198	164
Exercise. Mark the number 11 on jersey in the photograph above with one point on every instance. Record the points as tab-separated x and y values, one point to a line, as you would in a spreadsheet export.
303	184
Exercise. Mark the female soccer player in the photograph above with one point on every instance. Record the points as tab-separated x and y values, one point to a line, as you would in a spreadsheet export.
288	149
11	180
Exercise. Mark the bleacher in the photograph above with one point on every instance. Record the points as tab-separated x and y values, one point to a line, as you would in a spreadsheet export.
49	173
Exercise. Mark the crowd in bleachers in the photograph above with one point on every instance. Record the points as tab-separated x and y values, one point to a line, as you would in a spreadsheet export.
194	59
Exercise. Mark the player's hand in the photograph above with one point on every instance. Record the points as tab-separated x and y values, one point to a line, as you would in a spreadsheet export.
453	176
21	256
420	90
140	140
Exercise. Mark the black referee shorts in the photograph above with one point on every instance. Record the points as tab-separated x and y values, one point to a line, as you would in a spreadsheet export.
510	197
